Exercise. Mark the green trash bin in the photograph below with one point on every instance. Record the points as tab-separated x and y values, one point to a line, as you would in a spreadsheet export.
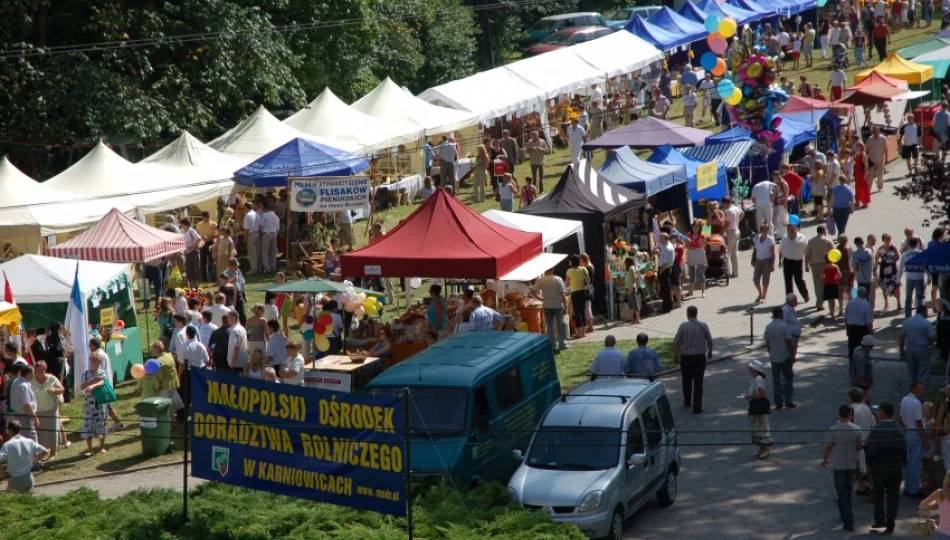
154	425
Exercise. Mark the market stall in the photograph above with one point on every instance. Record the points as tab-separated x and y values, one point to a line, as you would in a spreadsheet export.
557	235
880	106
794	135
707	181
666	186
699	11
661	38
650	132
924	47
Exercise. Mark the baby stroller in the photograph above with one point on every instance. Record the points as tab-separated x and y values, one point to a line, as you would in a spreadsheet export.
839	56
716	272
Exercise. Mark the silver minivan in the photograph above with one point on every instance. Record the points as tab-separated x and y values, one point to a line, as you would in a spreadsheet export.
600	453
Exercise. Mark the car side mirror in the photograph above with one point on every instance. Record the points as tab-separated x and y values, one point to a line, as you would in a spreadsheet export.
637	459
517	454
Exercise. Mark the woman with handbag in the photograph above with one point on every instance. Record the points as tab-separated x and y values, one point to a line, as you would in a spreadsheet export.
940	499
95	424
588	311
577	280
49	395
759	407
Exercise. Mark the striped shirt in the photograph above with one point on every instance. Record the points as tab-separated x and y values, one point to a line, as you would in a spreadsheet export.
447	152
777	335
693	338
483	319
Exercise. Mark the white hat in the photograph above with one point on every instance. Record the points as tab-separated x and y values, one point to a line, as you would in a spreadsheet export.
868	341
757	366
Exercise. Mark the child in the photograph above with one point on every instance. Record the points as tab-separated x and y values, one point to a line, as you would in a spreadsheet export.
254	369
847	165
928	477
330	263
859	44
224	249
819	189
528	192
796	49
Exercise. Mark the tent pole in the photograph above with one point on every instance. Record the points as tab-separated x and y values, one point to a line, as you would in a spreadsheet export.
287	249
145	296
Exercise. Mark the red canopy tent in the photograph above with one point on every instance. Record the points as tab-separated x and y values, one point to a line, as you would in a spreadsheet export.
444	238
877	78
873	94
797	104
119	238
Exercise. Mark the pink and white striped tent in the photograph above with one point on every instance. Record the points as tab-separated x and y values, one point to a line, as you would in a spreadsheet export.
119	238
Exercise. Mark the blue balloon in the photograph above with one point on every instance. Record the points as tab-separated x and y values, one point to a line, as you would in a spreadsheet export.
794	220
725	87
152	366
690	78
712	23
708	61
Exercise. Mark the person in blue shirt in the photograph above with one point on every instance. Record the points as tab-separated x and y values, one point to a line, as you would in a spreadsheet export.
429	157
917	337
942	129
643	361
841	200
610	360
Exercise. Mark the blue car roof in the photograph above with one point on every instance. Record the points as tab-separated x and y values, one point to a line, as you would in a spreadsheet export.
462	360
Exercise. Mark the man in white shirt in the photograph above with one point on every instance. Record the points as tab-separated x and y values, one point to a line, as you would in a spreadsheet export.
784	39
812	157
276	344
344	222
790	318
664	267
206	327
689	105
179	338
912	420
252	231
237	343
705	94
291	372
21	454
837	82
553	295
576	135
22	402
193	244
732	216
219	311
270	225
763	195
880	8
791	259
194	353
448	157
610	361
909	137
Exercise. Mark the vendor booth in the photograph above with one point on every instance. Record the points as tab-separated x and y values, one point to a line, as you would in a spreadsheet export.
665	186
794	135
557	235
897	68
938	59
661	38
924	47
586	196
676	24
698	11
299	158
42	286
707	181
650	132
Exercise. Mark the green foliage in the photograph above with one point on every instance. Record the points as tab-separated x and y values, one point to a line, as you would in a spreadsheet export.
220	512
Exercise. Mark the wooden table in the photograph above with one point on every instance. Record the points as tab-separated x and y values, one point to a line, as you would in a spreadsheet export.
338	372
401	351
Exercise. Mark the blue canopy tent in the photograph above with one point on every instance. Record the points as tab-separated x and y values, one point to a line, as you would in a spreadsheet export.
827	122
767	13
711	7
668	155
667	183
793	134
298	158
653	34
935	259
676	24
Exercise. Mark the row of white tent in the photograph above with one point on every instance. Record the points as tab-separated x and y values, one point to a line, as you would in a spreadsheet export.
188	171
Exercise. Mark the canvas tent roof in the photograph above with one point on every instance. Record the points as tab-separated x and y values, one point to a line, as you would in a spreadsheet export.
938	59
873	94
557	72
390	102
668	155
551	230
707	7
444	238
877	77
299	157
510	93
898	68
103	173
650	132
917	49
619	53
676	24
662	38
753	6
729	154
329	117
623	167
811	110
118	238
793	134
583	192
37	279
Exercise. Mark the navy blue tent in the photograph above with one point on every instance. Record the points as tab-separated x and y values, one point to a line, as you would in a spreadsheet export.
793	134
752	5
935	259
298	158
711	7
668	155
676	24
653	34
667	183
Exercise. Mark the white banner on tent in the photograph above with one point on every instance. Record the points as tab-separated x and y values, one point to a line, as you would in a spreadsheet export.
329	194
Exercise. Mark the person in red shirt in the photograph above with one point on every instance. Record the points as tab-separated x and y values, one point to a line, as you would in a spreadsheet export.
881	36
795	182
528	192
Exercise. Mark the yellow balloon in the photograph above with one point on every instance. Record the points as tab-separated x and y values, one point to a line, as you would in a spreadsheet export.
735	97
834	255
370	300
371	309
322	343
727	28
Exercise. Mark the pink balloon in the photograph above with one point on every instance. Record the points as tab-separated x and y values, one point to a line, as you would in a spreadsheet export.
718	45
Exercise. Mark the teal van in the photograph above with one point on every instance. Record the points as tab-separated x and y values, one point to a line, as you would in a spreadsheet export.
474	398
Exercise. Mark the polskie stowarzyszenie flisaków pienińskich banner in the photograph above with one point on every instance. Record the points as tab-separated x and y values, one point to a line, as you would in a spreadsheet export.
333	447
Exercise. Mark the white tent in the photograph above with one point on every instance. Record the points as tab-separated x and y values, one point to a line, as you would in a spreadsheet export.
35	279
552	229
328	116
390	102
103	174
191	171
620	53
260	133
558	72
489	94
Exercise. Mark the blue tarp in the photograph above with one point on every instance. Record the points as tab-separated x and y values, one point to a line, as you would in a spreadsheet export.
752	5
667	183
676	24
668	155
935	259
300	158
825	119
711	7
653	34
793	134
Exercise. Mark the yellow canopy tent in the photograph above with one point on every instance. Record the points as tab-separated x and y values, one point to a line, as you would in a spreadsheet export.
9	315
898	68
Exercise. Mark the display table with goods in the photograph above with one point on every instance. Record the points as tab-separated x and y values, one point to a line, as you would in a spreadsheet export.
463	169
647	284
342	373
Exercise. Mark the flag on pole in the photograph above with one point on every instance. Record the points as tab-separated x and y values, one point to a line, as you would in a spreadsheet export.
20	340
78	327
7	290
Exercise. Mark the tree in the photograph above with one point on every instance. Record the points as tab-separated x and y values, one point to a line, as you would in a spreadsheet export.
931	184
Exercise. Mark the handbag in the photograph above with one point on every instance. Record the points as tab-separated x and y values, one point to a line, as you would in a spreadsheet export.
923	526
830	225
104	394
760	406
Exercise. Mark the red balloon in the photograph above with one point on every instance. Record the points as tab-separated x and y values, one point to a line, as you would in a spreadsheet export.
320	329
325	320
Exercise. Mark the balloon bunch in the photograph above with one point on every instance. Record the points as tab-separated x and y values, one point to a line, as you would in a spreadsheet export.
719	31
150	367
754	102
318	329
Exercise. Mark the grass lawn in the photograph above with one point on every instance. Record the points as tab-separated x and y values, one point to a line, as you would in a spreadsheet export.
573	365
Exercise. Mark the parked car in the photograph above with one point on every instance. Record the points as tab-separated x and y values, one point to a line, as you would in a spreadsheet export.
474	398
600	453
548	25
623	15
567	37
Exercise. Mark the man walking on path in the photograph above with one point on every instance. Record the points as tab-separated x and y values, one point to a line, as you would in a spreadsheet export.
553	294
511	149
876	148
643	361
732	216
841	456
610	361
816	255
862	371
763	195
781	346
917	336
537	148
21	454
664	268
692	348
791	259
886	457
912	420
915	286
448	156
862	264
252	230
858	320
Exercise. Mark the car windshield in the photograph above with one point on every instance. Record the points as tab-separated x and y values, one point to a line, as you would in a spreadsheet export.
544	25
559	38
621	15
574	449
436	413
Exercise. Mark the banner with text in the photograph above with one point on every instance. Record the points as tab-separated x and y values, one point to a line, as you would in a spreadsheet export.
707	175
329	194
332	447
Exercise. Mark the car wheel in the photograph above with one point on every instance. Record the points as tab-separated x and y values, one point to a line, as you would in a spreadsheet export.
616	525
667	494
